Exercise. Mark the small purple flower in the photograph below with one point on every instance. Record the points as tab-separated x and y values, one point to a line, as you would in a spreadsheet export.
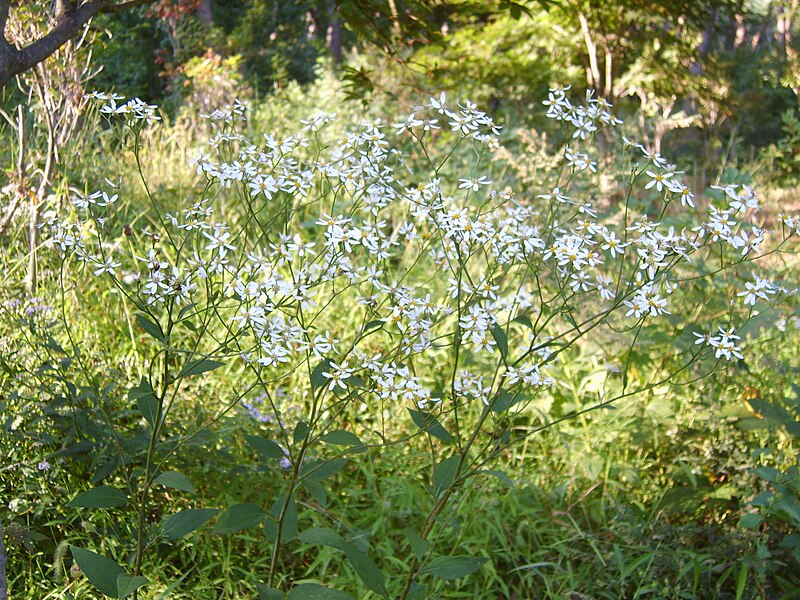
44	465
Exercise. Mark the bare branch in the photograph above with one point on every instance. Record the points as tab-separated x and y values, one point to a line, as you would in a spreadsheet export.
69	21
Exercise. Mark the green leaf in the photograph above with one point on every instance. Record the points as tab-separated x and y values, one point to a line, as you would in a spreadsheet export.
146	400
366	570
268	593
454	567
266	448
322	536
341	438
301	432
316	490
150	326
502	340
524	320
196	367
506	400
126	584
102	572
418	544
428	423
100	497
314	591
175	480
444	474
750	520
497	474
319	470
289	528
185	522
239	517
148	407
373	324
318	380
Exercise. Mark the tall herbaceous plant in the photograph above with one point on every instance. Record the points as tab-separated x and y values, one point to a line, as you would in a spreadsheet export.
397	304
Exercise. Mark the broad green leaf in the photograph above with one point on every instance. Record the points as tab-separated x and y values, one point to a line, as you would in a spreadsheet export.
454	567
313	591
266	448
102	572
289	528
341	438
366	570
523	319
150	326
196	367
502	340
750	520
322	536
377	323
497	474
100	497
319	470
444	474
127	584
506	400
268	593
185	522
316	490
175	480
146	401
239	517
148	407
428	423
418	544
301	432
318	380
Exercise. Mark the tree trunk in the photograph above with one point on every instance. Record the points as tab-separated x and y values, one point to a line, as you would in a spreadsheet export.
204	12
333	39
593	73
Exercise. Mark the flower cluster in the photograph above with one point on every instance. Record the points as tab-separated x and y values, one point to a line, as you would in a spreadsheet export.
464	273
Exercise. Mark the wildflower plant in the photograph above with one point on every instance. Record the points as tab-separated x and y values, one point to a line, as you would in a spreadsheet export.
361	279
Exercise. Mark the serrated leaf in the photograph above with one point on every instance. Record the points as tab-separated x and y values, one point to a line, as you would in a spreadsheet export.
175	480
502	340
428	423
444	473
103	496
418	544
454	567
301	432
239	517
320	470
266	448
186	521
102	572
150	326
127	584
318	380
341	437
314	591
197	367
